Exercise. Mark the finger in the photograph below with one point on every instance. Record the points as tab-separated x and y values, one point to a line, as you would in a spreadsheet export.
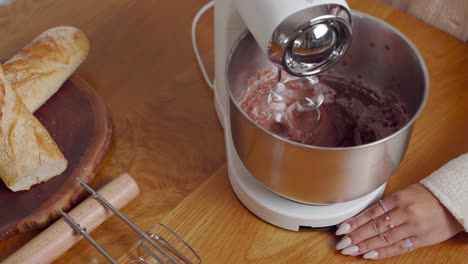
378	226
396	249
367	215
385	239
359	220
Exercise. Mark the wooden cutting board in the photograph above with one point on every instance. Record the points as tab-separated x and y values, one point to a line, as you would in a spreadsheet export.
80	124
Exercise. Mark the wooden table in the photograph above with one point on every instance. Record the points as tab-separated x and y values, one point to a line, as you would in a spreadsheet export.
168	138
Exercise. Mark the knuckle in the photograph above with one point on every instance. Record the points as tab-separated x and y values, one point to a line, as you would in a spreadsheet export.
414	226
371	213
384	252
394	250
412	209
386	238
422	228
376	226
399	198
400	248
363	247
353	222
418	227
356	236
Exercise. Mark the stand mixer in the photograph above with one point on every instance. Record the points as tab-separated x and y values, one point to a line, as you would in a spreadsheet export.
302	38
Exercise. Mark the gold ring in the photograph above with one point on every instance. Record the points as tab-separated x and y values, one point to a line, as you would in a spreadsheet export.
387	217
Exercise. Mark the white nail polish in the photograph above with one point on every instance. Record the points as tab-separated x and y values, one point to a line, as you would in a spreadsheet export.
371	255
343	243
344	229
350	250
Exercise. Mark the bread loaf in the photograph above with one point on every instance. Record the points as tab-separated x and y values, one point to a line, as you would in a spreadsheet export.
38	70
28	154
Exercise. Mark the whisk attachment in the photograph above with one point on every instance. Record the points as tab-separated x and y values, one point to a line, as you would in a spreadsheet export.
294	95
157	245
82	231
170	242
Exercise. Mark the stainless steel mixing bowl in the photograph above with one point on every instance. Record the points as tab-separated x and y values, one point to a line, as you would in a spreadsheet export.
383	58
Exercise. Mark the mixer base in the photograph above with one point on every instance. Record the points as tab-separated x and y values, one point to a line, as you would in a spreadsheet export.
283	212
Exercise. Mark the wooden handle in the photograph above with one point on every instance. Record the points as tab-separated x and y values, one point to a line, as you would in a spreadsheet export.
59	237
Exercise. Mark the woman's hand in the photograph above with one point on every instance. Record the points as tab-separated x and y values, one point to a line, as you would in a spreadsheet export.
414	218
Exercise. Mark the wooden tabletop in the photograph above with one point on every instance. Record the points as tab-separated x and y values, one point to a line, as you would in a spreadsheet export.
168	138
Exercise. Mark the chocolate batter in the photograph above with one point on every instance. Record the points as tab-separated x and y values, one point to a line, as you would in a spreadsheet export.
351	114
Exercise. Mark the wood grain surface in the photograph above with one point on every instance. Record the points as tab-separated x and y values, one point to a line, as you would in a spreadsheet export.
166	133
80	124
168	138
221	230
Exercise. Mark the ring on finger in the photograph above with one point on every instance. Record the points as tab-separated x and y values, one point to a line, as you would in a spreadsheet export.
409	244
387	217
383	207
390	225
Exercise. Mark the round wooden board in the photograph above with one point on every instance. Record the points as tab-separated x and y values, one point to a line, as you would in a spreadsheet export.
81	125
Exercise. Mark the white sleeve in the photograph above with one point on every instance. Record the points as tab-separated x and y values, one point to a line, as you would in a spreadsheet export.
450	185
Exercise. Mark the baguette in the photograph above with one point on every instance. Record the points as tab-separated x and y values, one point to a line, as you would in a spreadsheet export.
28	154
38	70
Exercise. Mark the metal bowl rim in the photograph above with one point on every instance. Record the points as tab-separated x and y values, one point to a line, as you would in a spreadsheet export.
395	134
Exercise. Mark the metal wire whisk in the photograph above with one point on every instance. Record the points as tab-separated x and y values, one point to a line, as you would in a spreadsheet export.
151	246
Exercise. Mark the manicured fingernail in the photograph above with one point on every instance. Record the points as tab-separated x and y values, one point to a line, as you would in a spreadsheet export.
343	243
344	229
350	250
371	255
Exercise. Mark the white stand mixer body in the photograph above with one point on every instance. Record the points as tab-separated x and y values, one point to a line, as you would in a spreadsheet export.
232	18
